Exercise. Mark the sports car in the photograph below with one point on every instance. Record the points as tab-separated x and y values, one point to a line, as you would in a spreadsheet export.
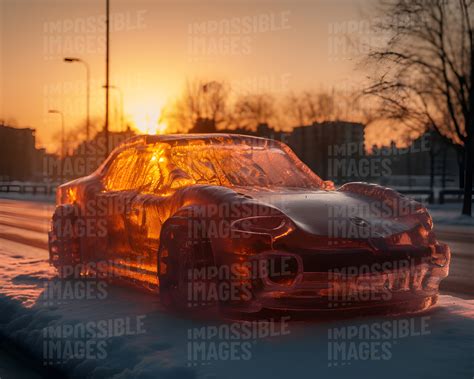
240	222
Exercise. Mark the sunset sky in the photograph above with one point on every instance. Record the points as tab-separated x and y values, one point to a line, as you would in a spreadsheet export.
260	46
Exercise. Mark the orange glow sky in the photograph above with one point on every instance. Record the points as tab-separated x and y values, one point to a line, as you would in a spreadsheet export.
156	46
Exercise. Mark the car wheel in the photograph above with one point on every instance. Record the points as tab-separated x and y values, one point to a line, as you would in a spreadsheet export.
63	240
179	259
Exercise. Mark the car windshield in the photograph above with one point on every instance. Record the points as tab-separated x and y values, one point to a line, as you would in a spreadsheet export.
238	165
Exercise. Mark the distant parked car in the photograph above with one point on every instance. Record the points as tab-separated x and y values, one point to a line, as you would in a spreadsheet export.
241	222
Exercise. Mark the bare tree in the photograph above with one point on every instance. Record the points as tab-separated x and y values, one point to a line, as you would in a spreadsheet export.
202	102
310	106
424	76
326	106
253	110
296	111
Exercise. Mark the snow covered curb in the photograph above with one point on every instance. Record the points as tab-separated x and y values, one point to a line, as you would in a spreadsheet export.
54	334
161	351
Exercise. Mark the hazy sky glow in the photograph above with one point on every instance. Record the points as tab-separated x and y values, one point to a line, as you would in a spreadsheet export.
258	46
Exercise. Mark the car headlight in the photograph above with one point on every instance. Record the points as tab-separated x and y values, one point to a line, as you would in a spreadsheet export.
425	220
276	226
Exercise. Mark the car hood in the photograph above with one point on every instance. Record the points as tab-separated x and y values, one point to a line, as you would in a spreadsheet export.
335	214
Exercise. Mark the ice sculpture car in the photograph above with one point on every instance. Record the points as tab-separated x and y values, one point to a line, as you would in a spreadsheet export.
241	222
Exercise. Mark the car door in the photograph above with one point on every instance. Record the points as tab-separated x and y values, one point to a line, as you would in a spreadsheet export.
149	209
114	205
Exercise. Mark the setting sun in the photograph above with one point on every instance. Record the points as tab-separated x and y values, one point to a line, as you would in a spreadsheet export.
146	117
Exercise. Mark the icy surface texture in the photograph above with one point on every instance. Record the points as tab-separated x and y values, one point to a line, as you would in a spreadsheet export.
160	205
228	161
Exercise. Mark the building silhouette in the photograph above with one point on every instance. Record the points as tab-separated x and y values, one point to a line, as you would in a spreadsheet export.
328	148
334	150
19	157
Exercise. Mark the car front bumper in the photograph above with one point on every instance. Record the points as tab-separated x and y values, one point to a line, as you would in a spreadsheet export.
408	282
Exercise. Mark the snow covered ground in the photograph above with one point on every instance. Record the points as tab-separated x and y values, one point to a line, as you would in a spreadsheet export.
152	343
91	328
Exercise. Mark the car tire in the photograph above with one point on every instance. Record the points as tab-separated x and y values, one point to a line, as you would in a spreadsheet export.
178	255
63	241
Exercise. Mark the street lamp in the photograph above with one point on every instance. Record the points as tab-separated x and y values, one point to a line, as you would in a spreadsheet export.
88	79
62	139
121	102
107	74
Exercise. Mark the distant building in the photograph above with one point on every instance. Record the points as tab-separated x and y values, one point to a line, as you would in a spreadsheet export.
429	159
330	148
335	150
19	158
263	130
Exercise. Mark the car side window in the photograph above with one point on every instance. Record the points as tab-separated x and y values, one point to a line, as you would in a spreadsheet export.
149	171
122	173
158	174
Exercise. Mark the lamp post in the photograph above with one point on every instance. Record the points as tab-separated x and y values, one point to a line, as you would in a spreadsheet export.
88	99
55	111
121	102
107	75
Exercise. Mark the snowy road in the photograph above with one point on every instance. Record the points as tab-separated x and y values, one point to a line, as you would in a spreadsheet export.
26	223
461	241
140	339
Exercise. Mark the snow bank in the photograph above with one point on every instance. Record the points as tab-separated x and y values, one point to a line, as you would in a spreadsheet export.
166	347
38	311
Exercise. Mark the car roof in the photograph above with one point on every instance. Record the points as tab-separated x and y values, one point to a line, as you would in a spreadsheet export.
208	139
213	139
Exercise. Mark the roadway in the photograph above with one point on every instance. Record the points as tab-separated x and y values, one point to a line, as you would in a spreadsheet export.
24	226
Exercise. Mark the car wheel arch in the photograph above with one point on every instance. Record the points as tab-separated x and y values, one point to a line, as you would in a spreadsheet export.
173	224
